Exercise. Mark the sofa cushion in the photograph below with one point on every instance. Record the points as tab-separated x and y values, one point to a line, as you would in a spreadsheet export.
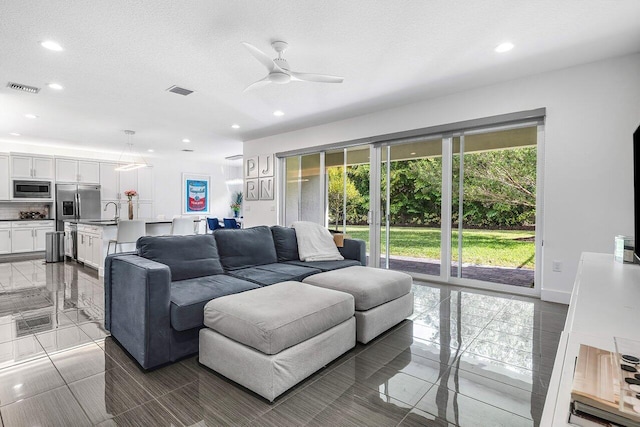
274	273
241	248
370	287
286	243
257	319
188	257
188	297
325	265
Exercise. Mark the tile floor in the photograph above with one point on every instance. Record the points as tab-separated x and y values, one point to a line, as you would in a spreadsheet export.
465	357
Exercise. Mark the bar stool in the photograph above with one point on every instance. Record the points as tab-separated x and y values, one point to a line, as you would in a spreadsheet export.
213	224
182	227
128	232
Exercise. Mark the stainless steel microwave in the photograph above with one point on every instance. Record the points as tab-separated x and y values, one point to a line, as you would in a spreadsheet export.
31	189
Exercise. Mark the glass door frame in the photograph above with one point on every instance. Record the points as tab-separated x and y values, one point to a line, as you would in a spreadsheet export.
377	219
447	132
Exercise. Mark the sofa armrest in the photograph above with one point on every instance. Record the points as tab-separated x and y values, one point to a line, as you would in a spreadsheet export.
108	262
141	308
354	249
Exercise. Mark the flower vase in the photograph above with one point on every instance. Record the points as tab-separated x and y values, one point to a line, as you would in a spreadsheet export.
130	209
236	214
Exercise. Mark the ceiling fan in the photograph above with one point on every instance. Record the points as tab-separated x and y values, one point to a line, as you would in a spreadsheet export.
279	71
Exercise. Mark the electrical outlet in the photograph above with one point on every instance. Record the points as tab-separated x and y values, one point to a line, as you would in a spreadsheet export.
556	266
247	208
273	208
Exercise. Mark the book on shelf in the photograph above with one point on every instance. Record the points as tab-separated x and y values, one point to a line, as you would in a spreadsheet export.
597	387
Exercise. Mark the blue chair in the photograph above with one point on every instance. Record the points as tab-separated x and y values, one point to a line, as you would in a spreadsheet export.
213	223
231	223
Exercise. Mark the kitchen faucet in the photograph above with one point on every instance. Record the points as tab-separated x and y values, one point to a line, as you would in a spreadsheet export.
116	217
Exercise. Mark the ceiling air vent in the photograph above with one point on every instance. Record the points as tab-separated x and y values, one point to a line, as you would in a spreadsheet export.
23	88
180	90
186	150
236	157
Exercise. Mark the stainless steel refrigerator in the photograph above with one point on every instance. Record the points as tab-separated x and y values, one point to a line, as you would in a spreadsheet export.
76	201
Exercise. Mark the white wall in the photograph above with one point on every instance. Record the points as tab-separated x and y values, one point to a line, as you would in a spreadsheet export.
592	111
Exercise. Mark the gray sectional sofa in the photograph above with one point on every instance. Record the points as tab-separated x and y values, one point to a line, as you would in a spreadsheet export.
155	297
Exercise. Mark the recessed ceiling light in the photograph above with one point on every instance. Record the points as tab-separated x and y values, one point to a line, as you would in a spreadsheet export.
51	45
278	113
413	154
150	150
55	86
186	141
31	116
504	47
14	134
235	126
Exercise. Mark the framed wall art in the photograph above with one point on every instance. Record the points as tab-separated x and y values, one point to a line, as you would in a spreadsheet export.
195	194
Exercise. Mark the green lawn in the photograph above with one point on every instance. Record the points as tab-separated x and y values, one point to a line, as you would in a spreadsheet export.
482	247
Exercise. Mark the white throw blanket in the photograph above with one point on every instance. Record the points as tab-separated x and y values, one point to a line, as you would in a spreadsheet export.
315	243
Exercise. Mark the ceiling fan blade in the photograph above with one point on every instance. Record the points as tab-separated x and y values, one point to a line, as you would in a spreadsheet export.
319	78
262	57
259	83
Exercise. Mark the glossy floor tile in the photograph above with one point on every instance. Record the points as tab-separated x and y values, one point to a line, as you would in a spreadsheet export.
465	357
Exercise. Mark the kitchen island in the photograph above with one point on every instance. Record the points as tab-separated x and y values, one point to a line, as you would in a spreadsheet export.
92	237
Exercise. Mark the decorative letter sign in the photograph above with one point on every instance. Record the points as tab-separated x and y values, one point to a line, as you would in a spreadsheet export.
252	189
251	168
259	173
266	188
266	165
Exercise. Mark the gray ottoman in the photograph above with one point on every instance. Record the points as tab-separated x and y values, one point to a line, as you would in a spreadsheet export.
383	297
270	339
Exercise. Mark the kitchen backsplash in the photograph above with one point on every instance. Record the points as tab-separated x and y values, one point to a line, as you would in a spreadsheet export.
12	210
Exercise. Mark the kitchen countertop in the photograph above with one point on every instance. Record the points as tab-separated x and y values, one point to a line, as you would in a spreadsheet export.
26	220
106	222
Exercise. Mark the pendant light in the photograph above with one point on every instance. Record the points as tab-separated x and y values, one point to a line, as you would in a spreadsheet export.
128	151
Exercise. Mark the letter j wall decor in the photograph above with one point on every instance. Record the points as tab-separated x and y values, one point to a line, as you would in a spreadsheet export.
195	194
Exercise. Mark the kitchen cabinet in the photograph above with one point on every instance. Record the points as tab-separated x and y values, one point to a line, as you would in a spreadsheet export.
5	179
128	180
68	240
80	171
109	181
31	167
90	245
5	238
145	184
145	210
29	236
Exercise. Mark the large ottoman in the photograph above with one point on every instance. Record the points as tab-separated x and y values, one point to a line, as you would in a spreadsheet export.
383	297
271	338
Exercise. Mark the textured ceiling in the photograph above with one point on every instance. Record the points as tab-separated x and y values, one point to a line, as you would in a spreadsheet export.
121	55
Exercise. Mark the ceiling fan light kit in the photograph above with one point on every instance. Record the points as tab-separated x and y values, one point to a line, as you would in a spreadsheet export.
279	70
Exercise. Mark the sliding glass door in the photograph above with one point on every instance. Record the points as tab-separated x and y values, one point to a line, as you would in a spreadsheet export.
411	202
493	209
461	207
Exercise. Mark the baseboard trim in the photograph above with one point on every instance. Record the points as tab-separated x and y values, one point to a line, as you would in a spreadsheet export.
551	295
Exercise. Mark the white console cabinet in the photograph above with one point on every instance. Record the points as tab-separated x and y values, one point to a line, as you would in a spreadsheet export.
605	303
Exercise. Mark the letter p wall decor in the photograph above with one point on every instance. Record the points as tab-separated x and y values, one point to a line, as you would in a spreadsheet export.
258	172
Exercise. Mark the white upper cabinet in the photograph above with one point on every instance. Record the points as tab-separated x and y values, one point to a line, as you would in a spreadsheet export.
128	181
88	172
145	184
109	181
5	179
66	170
81	171
31	167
